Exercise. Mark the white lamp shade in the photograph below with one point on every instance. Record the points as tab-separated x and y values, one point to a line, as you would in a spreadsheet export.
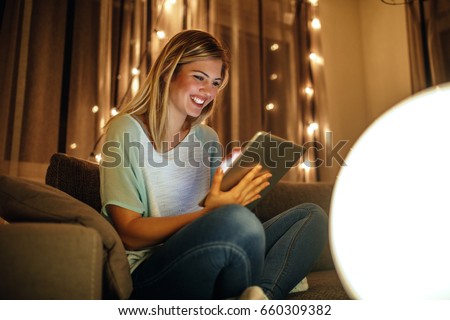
390	209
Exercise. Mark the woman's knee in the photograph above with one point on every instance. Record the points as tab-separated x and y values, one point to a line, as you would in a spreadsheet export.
318	219
242	224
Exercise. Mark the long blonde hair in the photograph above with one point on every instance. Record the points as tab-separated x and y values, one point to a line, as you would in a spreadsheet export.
152	98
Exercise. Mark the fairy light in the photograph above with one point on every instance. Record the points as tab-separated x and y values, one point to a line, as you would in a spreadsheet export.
73	146
273	76
314	3
114	112
135	71
270	106
275	47
305	165
160	34
312	128
95	109
315	24
313	56
98	157
309	91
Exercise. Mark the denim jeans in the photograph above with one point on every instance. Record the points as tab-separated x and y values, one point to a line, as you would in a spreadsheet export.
220	254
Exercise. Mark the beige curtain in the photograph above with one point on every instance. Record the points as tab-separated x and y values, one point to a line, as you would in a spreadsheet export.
68	64
32	56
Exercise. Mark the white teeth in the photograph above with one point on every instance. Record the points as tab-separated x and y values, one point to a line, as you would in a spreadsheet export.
198	100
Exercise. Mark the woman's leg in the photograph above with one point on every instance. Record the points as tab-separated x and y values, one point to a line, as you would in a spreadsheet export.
216	256
294	240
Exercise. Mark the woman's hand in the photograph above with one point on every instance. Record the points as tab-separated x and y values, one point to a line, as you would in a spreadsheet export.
245	192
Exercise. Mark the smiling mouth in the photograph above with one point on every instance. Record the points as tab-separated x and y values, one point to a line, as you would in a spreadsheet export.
198	100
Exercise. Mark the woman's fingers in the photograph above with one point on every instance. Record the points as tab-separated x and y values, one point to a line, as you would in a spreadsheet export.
216	182
252	184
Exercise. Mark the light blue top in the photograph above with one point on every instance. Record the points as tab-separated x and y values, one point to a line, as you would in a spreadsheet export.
133	175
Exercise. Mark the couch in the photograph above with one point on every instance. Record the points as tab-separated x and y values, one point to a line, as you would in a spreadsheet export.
56	245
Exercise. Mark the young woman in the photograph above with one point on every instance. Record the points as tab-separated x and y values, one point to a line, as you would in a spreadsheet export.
159	161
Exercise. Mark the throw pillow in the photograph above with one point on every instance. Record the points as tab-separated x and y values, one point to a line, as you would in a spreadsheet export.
27	201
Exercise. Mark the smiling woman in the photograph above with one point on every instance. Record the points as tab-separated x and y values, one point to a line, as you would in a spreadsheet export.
177	248
198	83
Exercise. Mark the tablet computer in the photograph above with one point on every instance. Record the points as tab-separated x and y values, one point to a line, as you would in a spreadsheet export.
275	154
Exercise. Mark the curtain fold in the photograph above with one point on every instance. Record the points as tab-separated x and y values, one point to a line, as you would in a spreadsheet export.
429	42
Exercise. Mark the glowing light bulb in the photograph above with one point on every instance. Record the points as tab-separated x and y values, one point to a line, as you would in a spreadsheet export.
275	47
273	76
315	24
305	165
73	146
95	109
160	34
270	106
98	157
135	71
309	91
312	127
313	56
314	3
114	112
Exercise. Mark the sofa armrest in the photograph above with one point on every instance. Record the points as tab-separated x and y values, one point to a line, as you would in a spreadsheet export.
50	261
286	195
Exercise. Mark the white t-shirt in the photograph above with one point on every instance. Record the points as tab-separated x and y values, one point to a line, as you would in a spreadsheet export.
133	175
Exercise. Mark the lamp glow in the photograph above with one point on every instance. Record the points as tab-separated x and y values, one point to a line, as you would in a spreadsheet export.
390	215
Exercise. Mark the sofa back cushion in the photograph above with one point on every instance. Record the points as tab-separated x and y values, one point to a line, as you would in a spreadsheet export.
28	201
77	177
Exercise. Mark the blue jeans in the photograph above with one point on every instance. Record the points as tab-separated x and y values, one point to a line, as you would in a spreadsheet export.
220	254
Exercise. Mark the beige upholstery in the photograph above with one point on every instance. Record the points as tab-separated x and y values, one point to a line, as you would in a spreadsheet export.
50	261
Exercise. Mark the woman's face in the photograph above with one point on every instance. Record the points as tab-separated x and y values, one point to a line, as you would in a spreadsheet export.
194	86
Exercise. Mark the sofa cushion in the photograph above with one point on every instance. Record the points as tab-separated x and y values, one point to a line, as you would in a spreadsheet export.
27	201
77	177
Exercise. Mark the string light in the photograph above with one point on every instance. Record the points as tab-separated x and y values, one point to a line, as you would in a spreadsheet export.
273	76
135	71
73	146
114	112
314	3
270	106
313	56
160	34
98	157
312	127
309	91
305	165
315	24
274	47
95	109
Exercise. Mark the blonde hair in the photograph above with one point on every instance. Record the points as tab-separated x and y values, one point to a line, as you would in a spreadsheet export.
152	98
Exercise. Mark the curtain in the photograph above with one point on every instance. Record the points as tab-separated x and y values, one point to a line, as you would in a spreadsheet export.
68	65
429	42
32	35
270	43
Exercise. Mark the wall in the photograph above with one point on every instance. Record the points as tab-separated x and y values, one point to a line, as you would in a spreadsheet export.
365	49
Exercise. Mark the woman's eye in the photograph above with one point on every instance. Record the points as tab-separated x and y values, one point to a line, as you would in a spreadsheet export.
216	84
198	77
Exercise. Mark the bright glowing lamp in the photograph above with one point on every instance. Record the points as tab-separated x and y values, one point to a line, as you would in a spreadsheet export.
390	210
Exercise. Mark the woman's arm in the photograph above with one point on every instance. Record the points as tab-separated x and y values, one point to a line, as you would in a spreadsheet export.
138	232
